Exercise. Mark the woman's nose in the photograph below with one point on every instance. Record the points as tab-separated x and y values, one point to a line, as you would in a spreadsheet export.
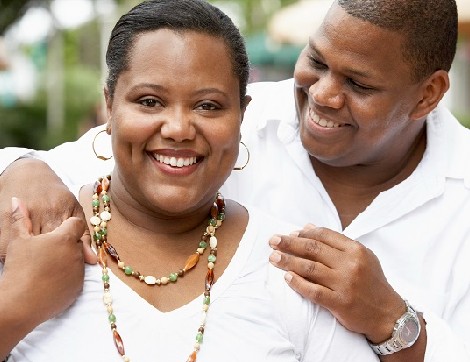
178	126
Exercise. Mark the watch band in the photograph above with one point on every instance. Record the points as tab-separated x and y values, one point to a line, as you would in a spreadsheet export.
396	342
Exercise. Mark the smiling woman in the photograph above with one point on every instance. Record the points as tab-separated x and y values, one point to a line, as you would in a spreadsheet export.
197	115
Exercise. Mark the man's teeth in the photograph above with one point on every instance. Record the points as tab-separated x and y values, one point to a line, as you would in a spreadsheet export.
176	162
323	122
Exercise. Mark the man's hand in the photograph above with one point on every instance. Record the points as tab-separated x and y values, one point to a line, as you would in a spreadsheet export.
42	275
341	275
48	200
346	278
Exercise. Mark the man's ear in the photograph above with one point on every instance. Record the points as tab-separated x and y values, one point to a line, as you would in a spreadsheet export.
432	90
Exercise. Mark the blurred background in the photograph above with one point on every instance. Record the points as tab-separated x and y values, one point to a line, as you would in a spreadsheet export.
52	59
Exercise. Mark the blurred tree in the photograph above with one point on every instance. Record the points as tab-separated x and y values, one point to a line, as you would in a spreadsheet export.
256	13
10	11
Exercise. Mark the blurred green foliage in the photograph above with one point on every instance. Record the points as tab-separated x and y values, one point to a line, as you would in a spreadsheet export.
464	119
25	123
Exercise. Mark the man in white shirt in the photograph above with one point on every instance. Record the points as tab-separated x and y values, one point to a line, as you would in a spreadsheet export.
368	153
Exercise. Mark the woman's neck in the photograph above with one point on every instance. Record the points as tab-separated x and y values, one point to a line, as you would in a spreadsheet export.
149	219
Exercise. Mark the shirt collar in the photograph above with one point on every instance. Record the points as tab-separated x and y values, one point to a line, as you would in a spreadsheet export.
279	109
448	146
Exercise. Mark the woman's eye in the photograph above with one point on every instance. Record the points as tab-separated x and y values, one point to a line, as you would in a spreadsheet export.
207	106
149	102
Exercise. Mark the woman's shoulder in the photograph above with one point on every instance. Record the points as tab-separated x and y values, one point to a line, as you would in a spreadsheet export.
268	223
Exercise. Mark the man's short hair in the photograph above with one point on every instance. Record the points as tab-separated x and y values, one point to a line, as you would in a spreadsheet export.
429	28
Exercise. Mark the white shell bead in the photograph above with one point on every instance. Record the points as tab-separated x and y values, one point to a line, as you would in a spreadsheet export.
150	280
200	251
105	215
95	220
203	318
210	265
213	242
164	280
107	299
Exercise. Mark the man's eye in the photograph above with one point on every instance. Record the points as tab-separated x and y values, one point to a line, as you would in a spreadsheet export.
359	86
315	63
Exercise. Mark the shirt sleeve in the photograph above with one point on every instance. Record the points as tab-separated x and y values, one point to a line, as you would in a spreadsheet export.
9	155
443	344
75	162
314	331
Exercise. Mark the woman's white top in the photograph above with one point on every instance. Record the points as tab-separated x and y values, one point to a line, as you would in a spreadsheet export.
253	316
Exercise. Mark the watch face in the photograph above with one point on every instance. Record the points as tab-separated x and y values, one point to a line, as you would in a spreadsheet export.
410	331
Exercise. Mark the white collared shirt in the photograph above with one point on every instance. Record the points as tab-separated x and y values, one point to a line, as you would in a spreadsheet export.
419	229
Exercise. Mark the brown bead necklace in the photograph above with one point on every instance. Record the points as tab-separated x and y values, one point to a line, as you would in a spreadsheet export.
99	222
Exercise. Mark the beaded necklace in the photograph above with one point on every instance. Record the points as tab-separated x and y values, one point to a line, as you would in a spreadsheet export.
99	222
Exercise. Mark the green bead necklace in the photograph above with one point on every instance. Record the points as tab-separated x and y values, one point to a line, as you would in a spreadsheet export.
99	222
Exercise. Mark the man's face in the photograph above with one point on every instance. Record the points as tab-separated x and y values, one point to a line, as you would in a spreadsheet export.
354	93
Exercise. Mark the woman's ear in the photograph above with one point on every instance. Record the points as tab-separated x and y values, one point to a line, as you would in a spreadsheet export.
109	105
432	90
246	102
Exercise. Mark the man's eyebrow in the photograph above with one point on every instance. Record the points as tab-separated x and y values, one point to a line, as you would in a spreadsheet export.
352	71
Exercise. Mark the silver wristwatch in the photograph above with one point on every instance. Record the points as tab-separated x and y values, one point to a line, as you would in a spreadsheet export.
405	333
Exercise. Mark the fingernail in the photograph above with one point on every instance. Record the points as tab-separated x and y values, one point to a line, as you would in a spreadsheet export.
14	204
295	233
288	277
275	240
275	257
309	226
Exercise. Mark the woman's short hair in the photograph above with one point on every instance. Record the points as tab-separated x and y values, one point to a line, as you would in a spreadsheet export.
180	16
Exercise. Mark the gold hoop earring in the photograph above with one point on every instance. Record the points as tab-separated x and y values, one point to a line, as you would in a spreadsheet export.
94	150
247	158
